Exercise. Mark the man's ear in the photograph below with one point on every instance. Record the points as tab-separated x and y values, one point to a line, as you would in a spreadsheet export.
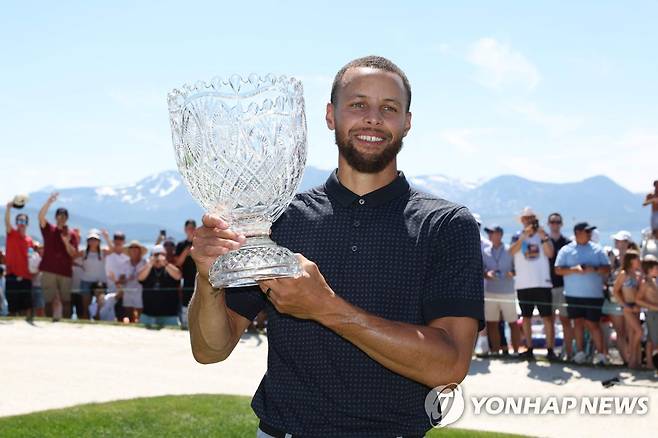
329	117
407	123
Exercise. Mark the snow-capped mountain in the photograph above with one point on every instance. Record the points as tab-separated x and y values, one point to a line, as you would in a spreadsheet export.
443	186
161	201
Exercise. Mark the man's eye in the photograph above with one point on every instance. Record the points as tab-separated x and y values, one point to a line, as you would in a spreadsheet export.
390	109
357	105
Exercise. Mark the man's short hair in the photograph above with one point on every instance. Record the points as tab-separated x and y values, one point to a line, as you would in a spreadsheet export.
372	61
22	216
190	222
555	214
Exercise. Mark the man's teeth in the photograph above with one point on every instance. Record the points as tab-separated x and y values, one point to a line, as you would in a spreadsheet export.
369	138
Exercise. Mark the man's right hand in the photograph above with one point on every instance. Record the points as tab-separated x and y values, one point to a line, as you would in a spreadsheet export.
53	197
211	240
578	269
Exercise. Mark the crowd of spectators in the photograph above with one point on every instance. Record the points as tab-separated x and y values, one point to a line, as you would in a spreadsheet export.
101	278
589	291
601	297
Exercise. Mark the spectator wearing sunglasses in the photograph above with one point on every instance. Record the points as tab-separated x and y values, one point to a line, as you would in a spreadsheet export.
18	282
558	240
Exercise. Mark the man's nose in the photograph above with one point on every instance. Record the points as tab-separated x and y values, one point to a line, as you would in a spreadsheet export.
373	117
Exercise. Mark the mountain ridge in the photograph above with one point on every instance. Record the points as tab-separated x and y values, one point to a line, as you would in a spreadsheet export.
161	201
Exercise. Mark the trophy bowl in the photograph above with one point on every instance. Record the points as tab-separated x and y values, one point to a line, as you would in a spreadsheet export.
240	146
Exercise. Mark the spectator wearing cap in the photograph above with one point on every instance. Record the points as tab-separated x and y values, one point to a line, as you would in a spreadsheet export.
169	244
18	279
623	240
132	300
499	293
160	281
532	248
187	266
115	262
92	261
584	265
60	248
103	307
558	240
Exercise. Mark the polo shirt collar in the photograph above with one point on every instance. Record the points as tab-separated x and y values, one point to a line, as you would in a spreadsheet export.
346	197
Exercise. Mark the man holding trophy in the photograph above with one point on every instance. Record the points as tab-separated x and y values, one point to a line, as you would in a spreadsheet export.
374	295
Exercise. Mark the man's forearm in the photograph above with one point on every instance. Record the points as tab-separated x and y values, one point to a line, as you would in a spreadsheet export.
211	331
42	213
421	353
516	246
8	217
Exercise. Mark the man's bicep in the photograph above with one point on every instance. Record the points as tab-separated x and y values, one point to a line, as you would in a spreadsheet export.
455	287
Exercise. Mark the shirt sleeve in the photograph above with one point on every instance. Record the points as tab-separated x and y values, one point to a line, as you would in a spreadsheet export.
560	260
45	230
455	286
603	258
246	301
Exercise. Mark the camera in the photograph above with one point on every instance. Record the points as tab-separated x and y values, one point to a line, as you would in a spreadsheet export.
535	225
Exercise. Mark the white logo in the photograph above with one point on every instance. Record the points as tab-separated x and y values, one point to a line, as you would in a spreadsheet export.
444	405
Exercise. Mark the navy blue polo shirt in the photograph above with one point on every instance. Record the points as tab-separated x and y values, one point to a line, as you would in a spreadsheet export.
397	253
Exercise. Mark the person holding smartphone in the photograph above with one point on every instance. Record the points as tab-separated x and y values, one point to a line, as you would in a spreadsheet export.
532	249
184	261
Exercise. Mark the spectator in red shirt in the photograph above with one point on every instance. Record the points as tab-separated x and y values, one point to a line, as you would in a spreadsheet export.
18	277
60	247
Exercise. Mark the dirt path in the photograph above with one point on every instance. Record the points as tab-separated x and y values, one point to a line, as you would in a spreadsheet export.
45	365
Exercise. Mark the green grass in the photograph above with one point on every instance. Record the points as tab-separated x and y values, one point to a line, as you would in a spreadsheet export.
168	416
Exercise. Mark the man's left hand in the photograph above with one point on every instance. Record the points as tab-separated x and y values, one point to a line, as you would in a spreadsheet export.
303	297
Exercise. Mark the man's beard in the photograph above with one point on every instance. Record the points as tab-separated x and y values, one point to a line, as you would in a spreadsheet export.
362	163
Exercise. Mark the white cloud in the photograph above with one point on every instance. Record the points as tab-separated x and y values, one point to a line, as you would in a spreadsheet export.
500	66
556	123
461	139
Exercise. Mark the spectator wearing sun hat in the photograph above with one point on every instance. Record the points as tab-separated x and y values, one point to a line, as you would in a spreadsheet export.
132	300
160	281
532	248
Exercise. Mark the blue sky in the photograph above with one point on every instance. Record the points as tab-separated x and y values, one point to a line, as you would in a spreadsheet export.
553	91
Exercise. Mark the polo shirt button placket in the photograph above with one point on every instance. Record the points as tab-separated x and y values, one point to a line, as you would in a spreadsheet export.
356	224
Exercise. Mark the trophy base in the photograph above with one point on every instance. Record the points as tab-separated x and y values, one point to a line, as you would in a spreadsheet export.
258	259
